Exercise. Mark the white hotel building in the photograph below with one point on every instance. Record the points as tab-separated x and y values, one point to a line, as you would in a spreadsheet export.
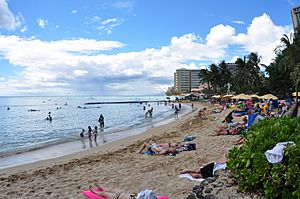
296	17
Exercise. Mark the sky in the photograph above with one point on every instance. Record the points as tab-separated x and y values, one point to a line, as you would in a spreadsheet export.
128	47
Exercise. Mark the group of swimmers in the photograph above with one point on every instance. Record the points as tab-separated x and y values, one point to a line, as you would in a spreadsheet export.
93	134
49	117
149	113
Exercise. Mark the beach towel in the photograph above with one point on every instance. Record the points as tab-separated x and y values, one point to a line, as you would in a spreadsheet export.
91	195
189	138
275	155
146	194
188	176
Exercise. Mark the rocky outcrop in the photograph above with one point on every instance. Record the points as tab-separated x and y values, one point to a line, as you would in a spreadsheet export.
222	186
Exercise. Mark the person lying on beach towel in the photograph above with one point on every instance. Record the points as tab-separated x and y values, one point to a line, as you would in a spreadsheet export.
208	170
101	193
151	147
232	128
229	131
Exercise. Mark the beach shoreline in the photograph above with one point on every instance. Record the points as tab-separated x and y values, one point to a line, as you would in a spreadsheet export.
118	165
80	153
80	145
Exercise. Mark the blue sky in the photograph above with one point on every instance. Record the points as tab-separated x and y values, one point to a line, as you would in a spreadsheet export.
126	47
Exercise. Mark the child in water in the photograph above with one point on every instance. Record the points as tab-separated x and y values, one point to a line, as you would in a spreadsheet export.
95	133
82	133
89	133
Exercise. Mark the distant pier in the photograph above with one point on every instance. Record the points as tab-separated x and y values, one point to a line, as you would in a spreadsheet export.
125	102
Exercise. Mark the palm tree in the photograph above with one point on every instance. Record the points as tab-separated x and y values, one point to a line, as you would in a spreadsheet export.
241	77
295	76
205	76
225	76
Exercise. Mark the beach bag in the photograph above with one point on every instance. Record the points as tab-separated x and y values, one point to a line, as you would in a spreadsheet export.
191	146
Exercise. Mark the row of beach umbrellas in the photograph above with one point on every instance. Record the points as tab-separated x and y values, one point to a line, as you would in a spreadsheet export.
244	96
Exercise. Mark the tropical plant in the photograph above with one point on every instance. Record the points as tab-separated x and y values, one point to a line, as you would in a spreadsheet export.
250	166
280	70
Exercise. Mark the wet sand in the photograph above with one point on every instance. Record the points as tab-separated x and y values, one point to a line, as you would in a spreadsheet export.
117	164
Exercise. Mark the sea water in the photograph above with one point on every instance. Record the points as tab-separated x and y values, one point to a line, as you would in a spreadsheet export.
27	136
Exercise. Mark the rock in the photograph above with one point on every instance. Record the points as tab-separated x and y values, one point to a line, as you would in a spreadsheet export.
210	197
199	196
219	184
204	182
229	175
210	179
208	190
197	187
230	183
191	196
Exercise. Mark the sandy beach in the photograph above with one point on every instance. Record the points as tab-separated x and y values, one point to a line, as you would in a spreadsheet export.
117	164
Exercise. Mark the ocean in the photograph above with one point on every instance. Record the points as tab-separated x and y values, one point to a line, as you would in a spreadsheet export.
26	136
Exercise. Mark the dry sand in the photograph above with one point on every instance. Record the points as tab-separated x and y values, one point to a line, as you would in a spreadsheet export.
118	165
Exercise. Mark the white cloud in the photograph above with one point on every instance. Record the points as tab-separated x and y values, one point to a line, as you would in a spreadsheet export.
42	22
7	19
128	5
238	22
262	36
80	73
220	36
24	29
79	66
74	11
106	25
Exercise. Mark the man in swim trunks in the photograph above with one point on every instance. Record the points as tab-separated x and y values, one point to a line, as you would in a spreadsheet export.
208	170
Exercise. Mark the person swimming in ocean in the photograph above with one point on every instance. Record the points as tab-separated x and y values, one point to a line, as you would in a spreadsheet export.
49	117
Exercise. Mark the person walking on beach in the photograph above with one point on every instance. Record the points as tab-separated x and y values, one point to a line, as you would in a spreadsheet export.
101	121
176	112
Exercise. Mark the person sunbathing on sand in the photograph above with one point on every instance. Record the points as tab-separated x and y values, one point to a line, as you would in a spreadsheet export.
208	170
229	131
119	194
159	149
232	128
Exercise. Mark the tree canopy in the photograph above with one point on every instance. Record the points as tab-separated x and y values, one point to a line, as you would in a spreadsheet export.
246	76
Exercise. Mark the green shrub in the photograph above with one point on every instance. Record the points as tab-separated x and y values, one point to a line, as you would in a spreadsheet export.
253	171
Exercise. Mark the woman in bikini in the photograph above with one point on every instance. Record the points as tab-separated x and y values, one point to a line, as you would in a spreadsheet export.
119	194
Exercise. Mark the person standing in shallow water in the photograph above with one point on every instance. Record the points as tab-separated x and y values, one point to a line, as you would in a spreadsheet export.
89	133
101	121
95	133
